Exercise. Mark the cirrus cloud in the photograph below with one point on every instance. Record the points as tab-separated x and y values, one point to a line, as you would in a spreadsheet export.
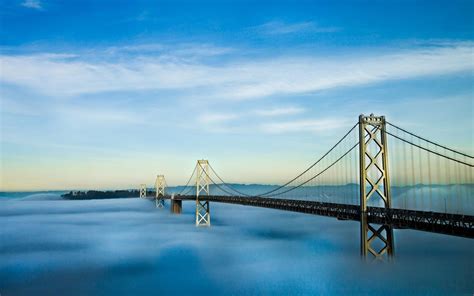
281	28
236	79
34	4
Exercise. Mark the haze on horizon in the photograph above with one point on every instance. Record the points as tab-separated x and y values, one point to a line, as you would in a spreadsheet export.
102	96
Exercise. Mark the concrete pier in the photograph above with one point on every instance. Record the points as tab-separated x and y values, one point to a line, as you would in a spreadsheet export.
176	205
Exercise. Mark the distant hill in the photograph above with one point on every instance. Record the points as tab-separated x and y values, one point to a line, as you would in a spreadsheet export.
93	194
249	189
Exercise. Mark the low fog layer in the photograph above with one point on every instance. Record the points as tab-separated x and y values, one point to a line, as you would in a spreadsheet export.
127	246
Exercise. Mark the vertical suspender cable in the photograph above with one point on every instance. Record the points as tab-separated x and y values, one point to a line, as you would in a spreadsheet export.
457	186
412	178
420	168
430	182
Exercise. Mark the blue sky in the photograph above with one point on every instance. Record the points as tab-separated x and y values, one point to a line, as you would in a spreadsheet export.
107	94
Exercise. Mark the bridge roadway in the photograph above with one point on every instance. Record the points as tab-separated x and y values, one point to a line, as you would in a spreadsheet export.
450	224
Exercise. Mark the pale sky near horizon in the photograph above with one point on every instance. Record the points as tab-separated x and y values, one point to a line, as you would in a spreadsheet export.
108	94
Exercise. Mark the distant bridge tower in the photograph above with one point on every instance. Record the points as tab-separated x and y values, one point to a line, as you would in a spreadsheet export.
160	186
375	184
142	190
203	217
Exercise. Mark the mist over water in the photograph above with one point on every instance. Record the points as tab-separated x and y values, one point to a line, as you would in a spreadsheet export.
126	246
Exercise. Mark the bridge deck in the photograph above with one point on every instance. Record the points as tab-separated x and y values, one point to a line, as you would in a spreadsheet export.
451	224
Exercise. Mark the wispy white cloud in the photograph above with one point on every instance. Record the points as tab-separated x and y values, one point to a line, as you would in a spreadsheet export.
103	116
244	122
281	28
137	48
307	125
279	111
223	117
213	118
201	50
56	75
181	51
34	4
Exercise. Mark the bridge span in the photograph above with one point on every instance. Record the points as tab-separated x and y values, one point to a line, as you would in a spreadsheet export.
450	224
420	185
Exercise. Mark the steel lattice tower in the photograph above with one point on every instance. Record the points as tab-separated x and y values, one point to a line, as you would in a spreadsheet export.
160	186
375	184
142	190
203	217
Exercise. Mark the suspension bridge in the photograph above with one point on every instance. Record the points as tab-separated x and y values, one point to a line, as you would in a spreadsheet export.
419	185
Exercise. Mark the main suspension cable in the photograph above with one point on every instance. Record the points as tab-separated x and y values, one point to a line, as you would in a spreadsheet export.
227	185
217	185
430	151
268	193
289	182
189	180
426	140
310	167
317	175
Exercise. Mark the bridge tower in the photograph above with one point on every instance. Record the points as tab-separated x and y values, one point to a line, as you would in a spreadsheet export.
160	186
203	217
142	190
374	184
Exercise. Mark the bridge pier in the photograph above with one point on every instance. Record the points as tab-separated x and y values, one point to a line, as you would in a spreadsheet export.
203	215
176	205
374	183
